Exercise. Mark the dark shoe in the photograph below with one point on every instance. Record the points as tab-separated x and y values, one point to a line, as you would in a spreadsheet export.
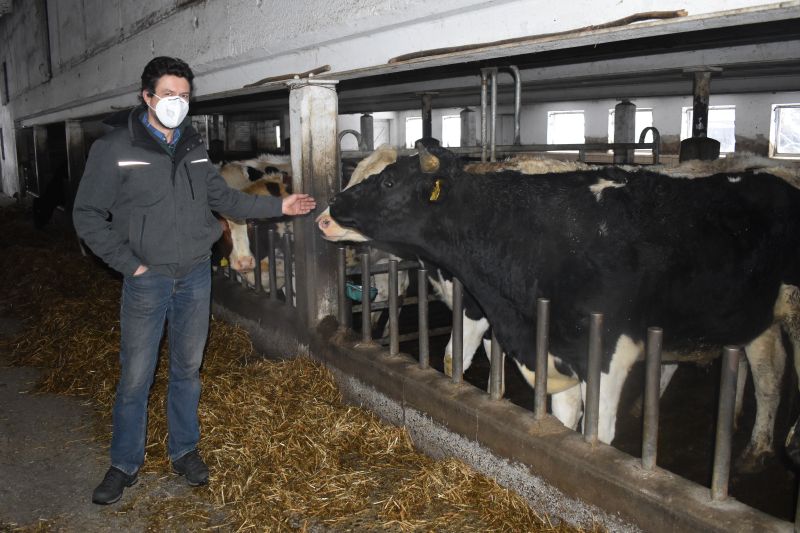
193	467
110	489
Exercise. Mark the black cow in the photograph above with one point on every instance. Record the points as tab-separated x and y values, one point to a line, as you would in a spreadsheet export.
705	259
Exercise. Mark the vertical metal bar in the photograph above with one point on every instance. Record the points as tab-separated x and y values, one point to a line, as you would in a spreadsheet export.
722	446
591	416
701	87
273	266
517	102
288	272
344	315
542	342
427	111
484	125
257	253
651	396
422	297
496	370
493	123
458	331
394	329
366	324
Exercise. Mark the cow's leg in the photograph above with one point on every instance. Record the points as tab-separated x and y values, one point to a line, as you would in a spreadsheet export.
383	294
567	407
625	354
767	358
667	371
741	381
787	310
472	338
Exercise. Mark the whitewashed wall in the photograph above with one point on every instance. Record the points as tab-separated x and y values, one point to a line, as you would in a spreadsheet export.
98	47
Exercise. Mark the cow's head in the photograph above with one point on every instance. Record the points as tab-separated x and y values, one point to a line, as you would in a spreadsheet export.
402	199
369	166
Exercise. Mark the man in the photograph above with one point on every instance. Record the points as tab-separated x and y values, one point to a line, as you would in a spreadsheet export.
144	206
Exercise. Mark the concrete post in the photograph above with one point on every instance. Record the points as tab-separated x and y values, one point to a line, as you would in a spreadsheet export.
469	129
624	130
313	110
76	161
367	133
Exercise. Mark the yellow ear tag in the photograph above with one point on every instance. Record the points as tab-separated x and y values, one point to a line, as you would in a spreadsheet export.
437	190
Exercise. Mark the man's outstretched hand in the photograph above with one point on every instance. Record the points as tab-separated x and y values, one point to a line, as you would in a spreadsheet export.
298	204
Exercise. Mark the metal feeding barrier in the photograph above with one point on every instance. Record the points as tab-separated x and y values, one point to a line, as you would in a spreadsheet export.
278	247
730	361
282	248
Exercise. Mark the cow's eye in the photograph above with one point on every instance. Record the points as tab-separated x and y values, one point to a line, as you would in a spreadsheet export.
388	184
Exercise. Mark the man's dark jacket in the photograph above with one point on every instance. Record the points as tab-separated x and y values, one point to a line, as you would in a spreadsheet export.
138	205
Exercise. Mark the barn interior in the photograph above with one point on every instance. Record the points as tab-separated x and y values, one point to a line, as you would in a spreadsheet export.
387	64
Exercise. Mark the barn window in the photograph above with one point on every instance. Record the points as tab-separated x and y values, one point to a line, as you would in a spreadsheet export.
380	131
565	127
278	135
644	119
451	130
784	136
721	126
413	130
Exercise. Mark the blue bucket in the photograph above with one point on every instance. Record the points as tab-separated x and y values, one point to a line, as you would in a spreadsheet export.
354	292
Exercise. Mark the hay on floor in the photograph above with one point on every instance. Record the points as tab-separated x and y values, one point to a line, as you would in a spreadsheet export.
284	451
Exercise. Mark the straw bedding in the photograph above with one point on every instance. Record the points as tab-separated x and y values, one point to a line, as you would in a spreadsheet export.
285	452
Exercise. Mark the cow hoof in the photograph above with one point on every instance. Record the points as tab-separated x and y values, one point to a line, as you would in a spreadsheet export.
448	365
752	462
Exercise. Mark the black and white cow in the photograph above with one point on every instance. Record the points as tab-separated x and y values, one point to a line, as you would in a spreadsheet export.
705	259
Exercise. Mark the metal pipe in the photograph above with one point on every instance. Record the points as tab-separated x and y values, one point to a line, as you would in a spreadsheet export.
517	101
542	342
656	142
394	329
727	400
341	259
458	332
273	267
591	417
422	295
288	271
484	125
496	371
701	88
366	324
651	396
427	115
257	251
493	123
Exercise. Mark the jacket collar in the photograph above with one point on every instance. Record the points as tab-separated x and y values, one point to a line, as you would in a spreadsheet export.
141	137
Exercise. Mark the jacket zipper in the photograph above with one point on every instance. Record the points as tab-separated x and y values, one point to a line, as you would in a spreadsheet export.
141	234
189	179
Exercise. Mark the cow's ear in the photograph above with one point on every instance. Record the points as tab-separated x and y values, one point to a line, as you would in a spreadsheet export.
437	190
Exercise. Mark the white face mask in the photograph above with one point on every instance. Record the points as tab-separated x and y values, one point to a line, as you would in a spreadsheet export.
171	110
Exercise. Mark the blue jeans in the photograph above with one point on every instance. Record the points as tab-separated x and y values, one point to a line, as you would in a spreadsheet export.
147	300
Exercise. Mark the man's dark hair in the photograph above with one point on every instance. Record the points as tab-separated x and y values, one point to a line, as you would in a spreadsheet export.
161	66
